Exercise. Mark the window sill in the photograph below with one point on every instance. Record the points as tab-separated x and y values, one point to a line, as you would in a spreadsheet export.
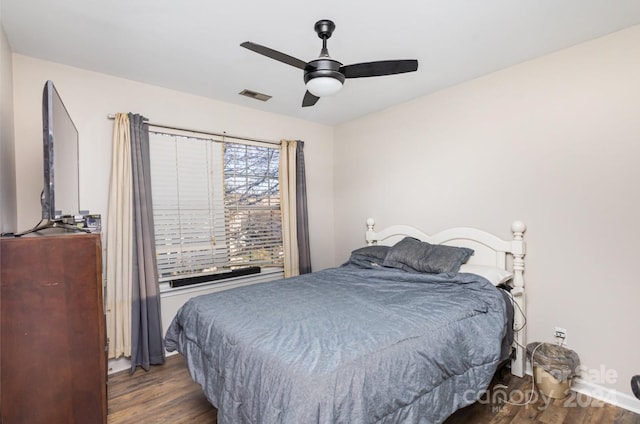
266	274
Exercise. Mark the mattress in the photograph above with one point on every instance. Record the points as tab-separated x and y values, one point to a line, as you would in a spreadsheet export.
345	345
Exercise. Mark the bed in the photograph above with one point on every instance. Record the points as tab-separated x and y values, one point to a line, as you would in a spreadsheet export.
387	337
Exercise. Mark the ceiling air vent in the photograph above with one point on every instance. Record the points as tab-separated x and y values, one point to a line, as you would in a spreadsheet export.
254	95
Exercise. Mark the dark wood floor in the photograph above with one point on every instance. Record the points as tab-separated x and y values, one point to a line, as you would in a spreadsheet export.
166	394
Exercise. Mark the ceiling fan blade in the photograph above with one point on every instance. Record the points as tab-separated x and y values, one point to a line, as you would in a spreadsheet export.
274	54
309	99
376	69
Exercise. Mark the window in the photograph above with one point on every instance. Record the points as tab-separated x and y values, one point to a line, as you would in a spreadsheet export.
252	205
216	205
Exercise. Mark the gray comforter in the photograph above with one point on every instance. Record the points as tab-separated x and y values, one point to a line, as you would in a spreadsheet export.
344	345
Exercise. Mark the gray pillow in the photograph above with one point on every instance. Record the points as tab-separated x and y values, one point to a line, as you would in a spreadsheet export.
369	256
374	252
413	255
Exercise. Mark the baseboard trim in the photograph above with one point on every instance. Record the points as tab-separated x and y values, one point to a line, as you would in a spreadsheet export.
611	396
117	365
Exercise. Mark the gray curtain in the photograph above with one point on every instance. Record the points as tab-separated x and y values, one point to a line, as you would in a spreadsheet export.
304	253
146	324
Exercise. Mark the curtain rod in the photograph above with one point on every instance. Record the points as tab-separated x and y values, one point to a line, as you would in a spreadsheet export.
112	116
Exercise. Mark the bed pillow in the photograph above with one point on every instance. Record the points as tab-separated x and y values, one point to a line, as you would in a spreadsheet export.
494	274
369	256
414	255
374	252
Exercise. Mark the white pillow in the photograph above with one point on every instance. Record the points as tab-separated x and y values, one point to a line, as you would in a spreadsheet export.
494	274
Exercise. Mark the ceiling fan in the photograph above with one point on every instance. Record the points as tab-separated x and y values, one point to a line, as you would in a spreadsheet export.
324	76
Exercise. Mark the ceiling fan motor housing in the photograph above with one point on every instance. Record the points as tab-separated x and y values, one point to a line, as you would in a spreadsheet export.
323	67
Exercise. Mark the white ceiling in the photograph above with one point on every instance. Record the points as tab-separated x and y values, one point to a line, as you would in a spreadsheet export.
194	45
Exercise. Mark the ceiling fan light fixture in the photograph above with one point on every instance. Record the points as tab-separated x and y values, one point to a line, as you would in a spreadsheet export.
324	86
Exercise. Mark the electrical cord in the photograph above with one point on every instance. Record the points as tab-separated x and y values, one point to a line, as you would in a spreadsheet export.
515	306
524	317
31	230
533	380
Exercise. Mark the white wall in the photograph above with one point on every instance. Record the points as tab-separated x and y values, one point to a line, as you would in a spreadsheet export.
8	213
554	142
90	97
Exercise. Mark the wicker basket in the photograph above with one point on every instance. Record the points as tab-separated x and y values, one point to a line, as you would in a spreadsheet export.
549	385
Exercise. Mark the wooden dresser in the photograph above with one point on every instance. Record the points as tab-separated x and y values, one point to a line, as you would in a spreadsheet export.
52	357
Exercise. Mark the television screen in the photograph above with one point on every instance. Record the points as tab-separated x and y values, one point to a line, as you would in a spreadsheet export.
61	171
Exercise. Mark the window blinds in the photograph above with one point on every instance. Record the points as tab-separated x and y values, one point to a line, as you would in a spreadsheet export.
216	205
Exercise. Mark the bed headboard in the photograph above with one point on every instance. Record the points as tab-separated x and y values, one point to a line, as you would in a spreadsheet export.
489	249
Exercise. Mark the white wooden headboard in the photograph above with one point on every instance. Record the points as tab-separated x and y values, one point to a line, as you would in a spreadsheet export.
489	249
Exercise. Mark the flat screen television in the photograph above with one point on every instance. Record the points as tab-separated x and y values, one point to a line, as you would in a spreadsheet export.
61	192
